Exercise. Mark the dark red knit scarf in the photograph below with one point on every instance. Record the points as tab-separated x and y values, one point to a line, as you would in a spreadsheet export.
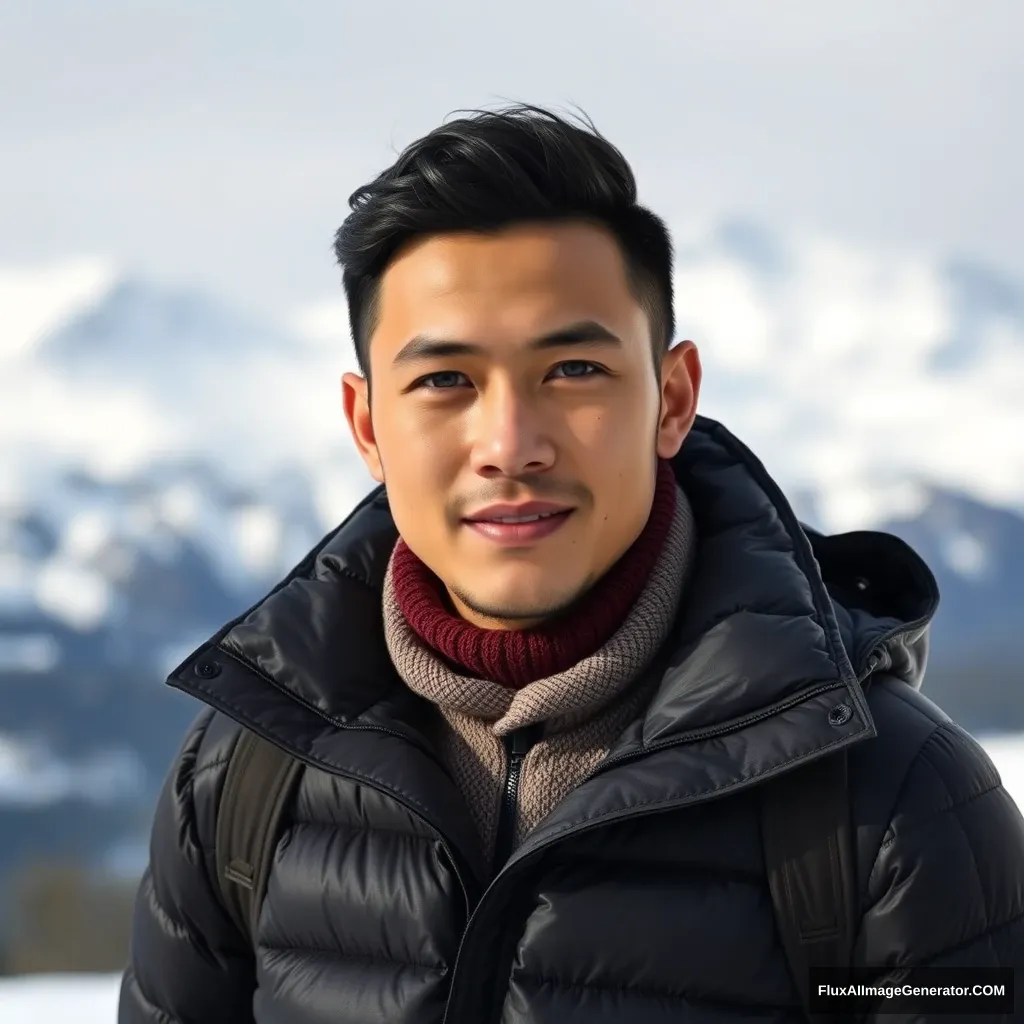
514	658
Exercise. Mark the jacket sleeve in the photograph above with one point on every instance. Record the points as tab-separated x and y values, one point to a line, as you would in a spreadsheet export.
187	963
947	885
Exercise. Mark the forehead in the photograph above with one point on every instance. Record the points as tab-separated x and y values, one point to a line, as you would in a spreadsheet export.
518	278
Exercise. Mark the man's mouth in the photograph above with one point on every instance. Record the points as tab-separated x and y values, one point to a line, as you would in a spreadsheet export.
520	519
523	511
516	526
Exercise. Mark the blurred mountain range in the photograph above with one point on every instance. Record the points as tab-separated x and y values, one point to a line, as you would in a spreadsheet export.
166	459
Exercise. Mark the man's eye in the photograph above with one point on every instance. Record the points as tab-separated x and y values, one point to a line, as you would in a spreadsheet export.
578	368
440	381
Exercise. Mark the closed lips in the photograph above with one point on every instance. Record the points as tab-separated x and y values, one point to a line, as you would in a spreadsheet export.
528	512
520	519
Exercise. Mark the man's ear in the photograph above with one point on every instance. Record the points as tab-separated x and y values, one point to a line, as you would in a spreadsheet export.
680	388
355	399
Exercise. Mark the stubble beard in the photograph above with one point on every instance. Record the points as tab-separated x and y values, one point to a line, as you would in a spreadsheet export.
510	614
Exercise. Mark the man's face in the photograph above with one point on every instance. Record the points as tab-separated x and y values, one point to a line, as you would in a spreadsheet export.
513	376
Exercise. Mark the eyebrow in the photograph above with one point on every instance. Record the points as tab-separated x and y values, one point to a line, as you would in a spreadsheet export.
425	346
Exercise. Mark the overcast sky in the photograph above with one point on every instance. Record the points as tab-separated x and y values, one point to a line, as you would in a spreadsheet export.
217	142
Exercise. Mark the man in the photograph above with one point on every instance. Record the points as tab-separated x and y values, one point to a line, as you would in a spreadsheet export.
538	681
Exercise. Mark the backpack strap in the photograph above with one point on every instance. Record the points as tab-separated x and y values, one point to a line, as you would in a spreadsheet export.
806	831
257	787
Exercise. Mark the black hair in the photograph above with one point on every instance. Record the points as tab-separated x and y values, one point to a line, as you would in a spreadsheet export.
494	169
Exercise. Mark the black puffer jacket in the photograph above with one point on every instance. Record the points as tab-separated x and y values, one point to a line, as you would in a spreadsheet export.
642	898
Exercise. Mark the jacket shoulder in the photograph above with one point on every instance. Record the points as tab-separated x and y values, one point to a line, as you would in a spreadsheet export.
195	781
940	842
920	763
187	960
920	756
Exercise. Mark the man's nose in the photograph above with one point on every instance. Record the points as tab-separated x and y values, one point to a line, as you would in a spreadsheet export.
510	433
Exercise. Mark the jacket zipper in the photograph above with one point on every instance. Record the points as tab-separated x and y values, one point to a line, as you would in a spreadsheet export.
517	746
453	1009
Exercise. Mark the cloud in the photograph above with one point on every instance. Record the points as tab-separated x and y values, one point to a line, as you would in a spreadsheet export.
196	144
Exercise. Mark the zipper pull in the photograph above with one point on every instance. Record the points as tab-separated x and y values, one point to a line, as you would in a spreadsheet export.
523	740
517	745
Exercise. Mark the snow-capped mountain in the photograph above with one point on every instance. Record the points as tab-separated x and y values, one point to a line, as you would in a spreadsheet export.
149	489
142	330
861	377
165	459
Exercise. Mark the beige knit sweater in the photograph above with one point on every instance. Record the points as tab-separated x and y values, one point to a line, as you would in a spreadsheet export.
584	709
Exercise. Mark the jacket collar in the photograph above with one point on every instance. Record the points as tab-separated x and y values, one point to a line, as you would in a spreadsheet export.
763	620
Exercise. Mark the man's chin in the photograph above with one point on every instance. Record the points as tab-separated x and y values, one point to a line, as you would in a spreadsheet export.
515	607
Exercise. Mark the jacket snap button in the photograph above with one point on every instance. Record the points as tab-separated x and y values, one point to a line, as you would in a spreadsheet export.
862	583
207	669
840	714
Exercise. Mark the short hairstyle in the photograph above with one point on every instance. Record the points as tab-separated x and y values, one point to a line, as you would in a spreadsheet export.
491	170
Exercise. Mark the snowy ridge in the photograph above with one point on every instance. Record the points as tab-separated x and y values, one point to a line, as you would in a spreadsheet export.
139	425
31	775
861	376
38	300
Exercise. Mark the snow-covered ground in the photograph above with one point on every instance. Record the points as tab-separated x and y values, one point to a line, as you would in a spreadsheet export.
1008	754
56	999
92	999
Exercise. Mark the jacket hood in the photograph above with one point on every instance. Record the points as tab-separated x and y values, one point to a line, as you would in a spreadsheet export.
774	614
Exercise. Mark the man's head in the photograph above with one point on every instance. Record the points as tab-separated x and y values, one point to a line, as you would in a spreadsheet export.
511	305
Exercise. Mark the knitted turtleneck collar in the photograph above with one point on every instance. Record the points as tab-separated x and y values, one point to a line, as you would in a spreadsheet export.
515	658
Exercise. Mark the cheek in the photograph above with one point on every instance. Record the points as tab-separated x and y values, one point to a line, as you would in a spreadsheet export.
422	456
611	443
613	429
